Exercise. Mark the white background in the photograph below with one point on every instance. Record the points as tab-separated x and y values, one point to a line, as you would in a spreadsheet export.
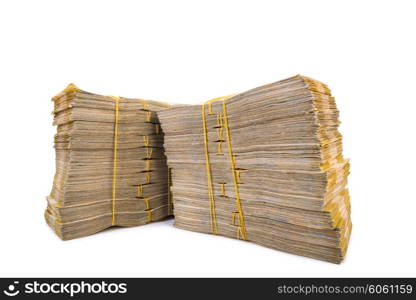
188	52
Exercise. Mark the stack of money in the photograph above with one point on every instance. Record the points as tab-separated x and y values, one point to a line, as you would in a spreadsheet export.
110	166
264	166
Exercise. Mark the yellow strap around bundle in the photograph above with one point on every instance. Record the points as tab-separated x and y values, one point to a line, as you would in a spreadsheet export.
148	177
146	140
222	189
146	202
149	215
149	152
113	215
170	204
236	178
139	190
144	104
222	120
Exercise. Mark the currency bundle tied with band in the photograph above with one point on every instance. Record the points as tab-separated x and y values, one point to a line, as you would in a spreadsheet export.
265	166
110	165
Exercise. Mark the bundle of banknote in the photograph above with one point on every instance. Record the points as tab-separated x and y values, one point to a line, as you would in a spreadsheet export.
110	165
265	166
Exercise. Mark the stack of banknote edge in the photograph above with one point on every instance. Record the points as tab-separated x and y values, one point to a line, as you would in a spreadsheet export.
265	166
110	165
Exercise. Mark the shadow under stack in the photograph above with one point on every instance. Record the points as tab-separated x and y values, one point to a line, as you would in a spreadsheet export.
264	166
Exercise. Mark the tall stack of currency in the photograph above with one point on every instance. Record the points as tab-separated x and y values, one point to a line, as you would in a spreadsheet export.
265	166
110	165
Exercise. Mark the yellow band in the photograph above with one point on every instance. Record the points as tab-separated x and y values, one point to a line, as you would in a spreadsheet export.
222	122
214	226
170	204
236	179
139	190
149	215
222	189
149	152
144	104
148	177
113	217
220	148
233	218
146	202
146	140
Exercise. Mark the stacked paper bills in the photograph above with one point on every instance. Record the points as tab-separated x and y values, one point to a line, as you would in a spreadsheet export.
265	166
110	165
